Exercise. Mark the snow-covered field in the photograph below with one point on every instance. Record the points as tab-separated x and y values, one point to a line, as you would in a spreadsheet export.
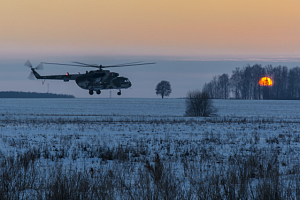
147	149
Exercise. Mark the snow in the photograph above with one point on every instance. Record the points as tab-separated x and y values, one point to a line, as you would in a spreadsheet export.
146	107
81	134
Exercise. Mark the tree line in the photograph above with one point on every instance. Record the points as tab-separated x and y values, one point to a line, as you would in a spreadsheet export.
244	83
13	94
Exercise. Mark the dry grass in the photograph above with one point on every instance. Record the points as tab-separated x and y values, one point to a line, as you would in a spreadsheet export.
163	159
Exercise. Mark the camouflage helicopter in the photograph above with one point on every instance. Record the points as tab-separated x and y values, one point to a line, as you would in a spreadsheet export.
94	80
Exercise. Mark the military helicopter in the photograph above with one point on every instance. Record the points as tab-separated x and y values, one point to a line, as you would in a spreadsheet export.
94	80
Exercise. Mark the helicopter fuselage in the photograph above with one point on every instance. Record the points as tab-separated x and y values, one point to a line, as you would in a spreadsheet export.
95	80
101	80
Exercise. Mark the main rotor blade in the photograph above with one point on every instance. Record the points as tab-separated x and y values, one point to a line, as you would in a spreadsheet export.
60	64
28	64
86	65
101	66
80	64
127	65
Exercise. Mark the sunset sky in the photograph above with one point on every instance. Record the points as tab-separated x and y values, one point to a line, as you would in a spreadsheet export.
209	30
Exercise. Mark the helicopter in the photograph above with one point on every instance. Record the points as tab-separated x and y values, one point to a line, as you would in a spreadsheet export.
94	80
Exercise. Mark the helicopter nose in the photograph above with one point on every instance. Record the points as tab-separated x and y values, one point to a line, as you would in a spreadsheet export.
128	83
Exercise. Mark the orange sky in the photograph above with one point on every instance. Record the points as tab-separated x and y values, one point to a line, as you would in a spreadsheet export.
203	29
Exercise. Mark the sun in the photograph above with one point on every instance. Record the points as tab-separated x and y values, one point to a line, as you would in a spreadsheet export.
265	81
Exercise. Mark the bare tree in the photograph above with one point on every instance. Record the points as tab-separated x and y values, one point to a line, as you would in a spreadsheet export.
224	86
163	88
235	81
198	104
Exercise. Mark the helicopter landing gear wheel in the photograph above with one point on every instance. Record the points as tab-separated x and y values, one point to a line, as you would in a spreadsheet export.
91	92
119	93
98	92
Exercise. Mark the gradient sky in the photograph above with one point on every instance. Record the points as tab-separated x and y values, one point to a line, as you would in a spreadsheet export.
200	29
109	30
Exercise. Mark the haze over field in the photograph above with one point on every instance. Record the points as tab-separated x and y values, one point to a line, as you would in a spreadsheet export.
113	32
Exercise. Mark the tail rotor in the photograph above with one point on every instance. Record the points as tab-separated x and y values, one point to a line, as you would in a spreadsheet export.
39	67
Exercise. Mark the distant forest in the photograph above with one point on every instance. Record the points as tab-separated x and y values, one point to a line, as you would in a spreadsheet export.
244	83
11	94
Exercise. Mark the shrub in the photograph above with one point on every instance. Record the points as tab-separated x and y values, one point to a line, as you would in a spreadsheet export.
198	104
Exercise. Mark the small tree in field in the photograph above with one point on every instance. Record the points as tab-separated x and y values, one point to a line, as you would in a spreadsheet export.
198	104
163	88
